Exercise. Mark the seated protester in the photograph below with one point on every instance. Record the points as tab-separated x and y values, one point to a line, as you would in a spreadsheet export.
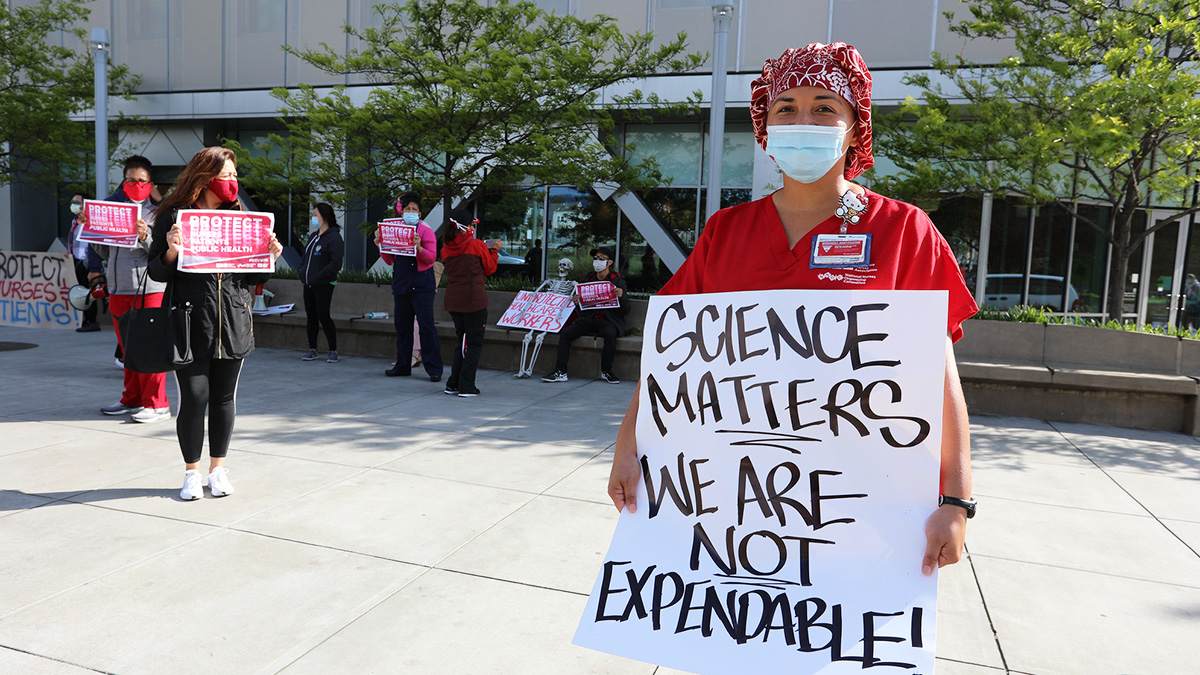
606	323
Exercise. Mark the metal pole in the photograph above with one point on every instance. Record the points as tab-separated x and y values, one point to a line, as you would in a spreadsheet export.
722	17
100	43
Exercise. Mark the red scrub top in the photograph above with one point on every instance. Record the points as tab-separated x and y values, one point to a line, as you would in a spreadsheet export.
744	248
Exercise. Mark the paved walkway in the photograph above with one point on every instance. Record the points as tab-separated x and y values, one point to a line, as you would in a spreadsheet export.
381	527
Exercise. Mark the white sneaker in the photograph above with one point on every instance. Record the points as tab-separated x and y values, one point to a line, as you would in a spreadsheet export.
148	415
218	482
192	488
119	408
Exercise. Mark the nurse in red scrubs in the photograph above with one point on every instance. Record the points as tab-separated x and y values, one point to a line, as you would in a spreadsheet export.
811	110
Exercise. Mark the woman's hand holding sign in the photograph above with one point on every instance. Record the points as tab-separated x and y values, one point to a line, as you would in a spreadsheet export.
275	247
626	472
143	229
174	244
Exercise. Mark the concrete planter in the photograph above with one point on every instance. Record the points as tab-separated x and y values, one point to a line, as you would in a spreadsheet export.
1077	347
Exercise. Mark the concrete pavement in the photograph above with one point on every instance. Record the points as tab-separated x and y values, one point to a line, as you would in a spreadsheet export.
381	527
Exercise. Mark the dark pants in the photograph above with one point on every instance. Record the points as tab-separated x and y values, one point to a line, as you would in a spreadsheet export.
81	276
468	326
581	327
417	306
211	384
317	302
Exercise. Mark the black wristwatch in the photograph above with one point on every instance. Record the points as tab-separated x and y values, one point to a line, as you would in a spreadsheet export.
968	504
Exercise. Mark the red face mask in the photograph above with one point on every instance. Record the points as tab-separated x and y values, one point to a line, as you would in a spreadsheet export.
225	190
137	191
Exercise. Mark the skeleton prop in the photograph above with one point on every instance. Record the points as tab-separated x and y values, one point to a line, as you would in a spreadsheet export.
559	286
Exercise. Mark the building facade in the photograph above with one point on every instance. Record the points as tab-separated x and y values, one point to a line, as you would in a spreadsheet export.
208	67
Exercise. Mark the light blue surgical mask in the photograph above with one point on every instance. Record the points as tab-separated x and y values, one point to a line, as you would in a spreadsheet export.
314	224
412	218
805	152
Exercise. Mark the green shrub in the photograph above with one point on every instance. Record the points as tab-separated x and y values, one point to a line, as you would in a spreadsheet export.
1025	314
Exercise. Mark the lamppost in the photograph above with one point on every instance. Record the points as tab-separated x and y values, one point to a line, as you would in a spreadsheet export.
100	44
722	17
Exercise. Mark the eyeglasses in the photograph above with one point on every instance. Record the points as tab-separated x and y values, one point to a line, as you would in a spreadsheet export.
137	181
600	257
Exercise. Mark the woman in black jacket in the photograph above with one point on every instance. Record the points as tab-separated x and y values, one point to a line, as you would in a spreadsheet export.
222	328
318	273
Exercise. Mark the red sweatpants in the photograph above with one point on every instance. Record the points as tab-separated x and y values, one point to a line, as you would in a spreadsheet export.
148	390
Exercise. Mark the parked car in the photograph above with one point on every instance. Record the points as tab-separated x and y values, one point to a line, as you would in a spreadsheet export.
508	265
1002	291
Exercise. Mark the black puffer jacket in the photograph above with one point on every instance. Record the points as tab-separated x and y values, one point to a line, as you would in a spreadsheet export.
322	258
222	326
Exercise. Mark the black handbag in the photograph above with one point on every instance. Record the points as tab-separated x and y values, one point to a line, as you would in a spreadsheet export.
157	339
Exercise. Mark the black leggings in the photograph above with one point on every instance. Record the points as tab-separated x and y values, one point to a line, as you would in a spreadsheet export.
211	384
317	302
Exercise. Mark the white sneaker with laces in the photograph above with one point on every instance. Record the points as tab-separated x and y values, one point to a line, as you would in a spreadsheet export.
148	415
192	488
218	482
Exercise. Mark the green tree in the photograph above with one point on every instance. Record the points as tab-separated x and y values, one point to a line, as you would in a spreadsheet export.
1100	102
466	96
42	84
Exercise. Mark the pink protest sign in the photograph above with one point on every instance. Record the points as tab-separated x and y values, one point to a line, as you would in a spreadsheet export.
226	241
397	237
110	223
537	311
597	295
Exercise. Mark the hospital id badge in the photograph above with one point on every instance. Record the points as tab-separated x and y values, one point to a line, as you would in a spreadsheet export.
841	250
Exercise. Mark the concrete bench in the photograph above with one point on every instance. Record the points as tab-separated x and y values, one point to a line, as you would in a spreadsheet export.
1053	372
1081	374
377	337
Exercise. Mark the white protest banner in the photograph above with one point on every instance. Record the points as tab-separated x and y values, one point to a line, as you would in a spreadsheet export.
33	290
110	223
397	237
597	295
226	241
538	311
789	443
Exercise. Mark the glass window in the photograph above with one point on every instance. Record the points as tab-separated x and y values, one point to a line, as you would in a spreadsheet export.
679	209
1006	252
568	208
1051	234
737	157
1089	262
676	148
1190	290
1134	274
958	221
1161	278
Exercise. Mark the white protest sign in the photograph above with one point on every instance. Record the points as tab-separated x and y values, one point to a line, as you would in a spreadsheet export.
789	443
538	311
33	290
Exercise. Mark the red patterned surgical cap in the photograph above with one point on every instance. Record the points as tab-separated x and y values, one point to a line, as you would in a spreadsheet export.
837	67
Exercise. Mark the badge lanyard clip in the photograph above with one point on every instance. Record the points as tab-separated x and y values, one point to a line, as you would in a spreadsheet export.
851	206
